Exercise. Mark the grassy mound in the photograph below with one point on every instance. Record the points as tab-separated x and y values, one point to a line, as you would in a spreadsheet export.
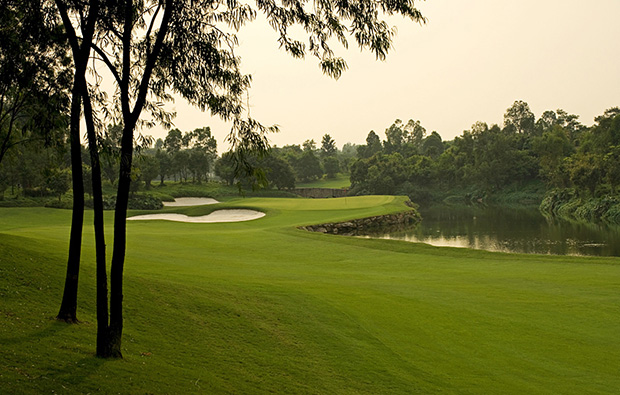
262	307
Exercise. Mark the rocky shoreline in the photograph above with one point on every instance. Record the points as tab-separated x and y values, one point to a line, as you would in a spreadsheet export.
364	226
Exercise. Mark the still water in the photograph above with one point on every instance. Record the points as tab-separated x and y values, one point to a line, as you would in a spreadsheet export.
522	230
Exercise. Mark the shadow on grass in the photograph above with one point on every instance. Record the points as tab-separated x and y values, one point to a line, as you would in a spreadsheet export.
50	330
75	373
65	364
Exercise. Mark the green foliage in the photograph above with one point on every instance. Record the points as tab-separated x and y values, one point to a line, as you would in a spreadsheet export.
611	166
148	168
612	215
37	192
328	146
34	77
373	146
568	203
309	146
555	198
591	168
490	163
136	202
172	190
58	181
224	168
278	172
184	155
340	181
331	166
585	172
406	139
308	167
519	118
552	148
432	146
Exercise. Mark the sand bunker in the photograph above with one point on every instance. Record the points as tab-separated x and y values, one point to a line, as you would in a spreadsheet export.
216	216
190	201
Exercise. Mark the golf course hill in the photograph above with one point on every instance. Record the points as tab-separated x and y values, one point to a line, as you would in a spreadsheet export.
264	306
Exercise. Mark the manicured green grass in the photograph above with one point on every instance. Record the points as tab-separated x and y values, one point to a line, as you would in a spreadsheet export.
340	181
262	307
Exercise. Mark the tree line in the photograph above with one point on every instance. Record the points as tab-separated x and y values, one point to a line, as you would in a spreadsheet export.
555	150
285	167
35	170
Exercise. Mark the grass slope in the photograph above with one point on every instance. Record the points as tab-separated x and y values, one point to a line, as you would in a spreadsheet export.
261	307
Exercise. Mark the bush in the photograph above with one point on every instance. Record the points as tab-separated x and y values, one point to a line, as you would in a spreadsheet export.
596	209
21	202
613	214
567	203
64	204
37	192
556	198
138	202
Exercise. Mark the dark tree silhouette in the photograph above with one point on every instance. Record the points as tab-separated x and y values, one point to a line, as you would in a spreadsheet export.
34	77
81	47
153	48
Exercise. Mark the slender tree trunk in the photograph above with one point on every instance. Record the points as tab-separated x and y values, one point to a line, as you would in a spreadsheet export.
120	233
130	118
98	223
68	306
81	52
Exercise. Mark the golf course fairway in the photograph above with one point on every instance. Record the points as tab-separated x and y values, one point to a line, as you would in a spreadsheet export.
262	307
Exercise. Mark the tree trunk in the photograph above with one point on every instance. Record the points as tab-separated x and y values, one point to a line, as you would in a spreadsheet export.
68	306
130	118
98	224
120	233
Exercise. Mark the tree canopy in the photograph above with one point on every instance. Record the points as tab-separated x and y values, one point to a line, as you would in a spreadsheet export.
153	49
34	76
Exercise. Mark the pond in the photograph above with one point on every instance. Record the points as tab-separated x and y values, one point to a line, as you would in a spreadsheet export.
523	230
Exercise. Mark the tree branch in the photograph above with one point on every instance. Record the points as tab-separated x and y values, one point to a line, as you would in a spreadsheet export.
148	32
152	58
105	59
71	34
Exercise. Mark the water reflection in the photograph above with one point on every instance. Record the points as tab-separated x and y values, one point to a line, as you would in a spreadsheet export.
511	230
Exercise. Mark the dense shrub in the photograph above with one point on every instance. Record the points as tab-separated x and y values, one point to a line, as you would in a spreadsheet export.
613	214
138	202
55	203
556	198
20	202
567	203
37	192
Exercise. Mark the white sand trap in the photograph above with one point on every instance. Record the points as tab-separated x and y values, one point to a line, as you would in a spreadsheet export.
216	216
190	201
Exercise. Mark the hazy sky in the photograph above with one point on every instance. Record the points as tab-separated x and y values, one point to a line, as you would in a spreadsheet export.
469	63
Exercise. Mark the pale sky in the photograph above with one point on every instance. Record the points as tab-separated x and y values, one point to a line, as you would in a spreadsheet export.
469	63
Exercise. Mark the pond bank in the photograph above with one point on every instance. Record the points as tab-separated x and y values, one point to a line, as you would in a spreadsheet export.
566	203
363	226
